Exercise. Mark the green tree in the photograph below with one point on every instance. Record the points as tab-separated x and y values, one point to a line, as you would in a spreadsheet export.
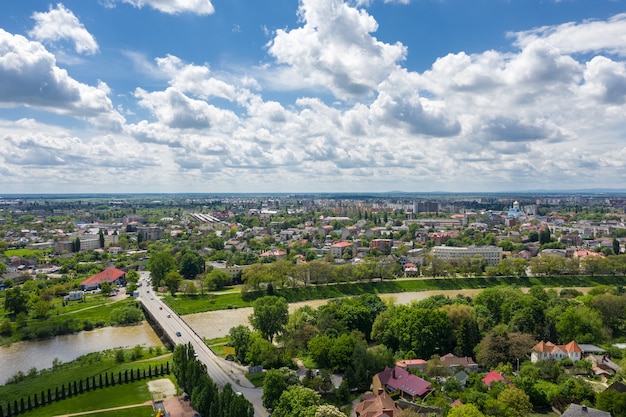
579	323
106	288
544	236
240	339
465	410
101	238
616	248
273	386
41	309
517	402
159	265
297	401
6	329
269	315
612	401
217	279
173	280
15	301
191	264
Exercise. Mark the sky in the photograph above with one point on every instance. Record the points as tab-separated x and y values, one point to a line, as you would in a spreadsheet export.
220	96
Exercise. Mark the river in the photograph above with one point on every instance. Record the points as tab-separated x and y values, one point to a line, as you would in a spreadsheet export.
22	356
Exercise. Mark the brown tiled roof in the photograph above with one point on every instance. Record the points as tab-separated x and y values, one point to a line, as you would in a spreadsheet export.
377	406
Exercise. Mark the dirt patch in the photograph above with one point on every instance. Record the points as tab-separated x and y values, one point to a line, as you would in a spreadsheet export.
161	388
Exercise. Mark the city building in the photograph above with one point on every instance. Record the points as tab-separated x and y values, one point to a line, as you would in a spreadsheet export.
491	254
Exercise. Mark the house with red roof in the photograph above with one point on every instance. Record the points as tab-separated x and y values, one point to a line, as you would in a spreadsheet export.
547	350
493	377
338	248
397	381
113	276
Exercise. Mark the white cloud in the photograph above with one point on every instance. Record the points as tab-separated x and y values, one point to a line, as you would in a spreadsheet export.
61	24
592	36
605	80
199	7
29	76
334	50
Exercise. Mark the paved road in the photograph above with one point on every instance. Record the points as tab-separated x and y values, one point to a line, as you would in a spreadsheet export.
220	371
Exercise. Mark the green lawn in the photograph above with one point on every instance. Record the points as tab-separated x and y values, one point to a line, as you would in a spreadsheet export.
183	304
119	395
200	303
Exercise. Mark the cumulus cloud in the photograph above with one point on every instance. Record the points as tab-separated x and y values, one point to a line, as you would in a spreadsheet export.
591	36
334	49
199	7
61	24
605	80
29	76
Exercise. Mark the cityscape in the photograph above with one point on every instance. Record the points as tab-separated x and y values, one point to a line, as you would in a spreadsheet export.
313	208
355	302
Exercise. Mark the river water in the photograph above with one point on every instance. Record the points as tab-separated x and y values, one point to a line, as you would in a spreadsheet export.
22	356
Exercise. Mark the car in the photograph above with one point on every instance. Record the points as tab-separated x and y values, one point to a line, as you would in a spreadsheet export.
160	307
178	334
169	316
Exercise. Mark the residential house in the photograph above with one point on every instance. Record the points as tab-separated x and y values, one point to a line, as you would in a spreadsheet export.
494	377
548	350
397	381
112	276
603	366
462	377
276	253
575	410
419	364
337	249
379	405
455	363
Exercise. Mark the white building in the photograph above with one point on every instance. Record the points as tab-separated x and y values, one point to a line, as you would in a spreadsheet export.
491	254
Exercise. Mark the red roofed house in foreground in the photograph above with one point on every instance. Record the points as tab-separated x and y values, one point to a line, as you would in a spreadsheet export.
398	381
113	276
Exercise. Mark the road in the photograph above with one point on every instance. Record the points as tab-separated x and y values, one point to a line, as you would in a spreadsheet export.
221	372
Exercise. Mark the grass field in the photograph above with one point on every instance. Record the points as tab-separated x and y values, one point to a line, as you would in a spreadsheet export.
200	303
119	395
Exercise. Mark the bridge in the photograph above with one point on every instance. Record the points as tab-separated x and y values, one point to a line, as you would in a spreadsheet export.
177	331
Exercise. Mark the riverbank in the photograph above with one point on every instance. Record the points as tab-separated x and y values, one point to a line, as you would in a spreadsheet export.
41	354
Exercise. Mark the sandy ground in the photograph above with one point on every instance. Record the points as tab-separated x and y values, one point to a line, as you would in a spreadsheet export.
161	388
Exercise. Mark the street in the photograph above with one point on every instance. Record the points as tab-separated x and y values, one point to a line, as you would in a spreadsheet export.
220	370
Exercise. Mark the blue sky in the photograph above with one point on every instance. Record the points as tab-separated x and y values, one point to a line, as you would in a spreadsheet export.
312	95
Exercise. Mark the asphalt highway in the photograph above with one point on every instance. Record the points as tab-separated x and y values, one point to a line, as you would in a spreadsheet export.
220	371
